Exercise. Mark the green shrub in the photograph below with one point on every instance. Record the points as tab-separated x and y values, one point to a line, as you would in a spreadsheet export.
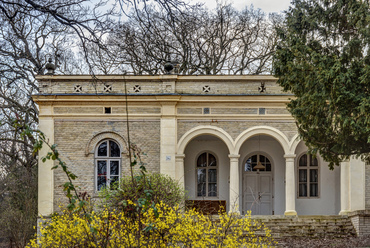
154	187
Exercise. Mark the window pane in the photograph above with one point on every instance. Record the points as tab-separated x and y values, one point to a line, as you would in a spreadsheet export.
254	159
267	160
302	189
113	180
314	189
114	168
201	189
102	149
268	167
302	176
201	175
248	165
262	159
114	149
212	189
212	175
102	182
313	161
212	160
102	168
314	175
202	160
303	160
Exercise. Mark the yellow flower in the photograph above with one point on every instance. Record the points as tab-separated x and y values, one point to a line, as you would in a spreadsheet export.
165	227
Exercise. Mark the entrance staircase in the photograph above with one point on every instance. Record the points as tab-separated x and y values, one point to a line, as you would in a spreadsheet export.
322	226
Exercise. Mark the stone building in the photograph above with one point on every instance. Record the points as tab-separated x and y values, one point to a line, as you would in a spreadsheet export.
225	138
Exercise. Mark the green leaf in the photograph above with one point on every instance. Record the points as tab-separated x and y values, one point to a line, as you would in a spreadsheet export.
73	176
82	204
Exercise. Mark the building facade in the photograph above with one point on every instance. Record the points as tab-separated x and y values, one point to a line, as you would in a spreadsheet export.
225	138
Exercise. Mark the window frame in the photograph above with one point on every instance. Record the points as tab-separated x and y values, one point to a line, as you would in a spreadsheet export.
207	168
307	168
108	159
258	154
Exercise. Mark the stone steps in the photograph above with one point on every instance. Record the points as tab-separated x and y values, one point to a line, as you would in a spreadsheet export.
283	227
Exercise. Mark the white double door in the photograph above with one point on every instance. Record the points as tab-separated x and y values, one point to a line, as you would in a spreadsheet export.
258	192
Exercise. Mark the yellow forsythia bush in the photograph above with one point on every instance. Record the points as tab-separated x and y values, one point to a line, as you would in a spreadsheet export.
161	226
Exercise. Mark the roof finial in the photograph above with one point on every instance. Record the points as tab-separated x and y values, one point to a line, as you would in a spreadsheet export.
50	67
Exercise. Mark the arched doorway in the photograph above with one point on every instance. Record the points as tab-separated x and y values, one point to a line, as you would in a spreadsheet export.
258	185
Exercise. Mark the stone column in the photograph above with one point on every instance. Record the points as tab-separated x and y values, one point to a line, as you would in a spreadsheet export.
180	170
234	183
344	188
290	191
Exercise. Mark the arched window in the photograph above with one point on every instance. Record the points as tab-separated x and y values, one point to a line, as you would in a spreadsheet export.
252	161
206	175
108	163
308	176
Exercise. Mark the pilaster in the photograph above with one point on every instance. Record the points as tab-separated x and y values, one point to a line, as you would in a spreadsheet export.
168	132
357	184
45	173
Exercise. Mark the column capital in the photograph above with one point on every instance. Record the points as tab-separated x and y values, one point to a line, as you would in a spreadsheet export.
235	156
289	156
180	157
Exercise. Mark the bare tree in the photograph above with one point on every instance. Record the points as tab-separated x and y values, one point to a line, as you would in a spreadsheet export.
26	43
201	42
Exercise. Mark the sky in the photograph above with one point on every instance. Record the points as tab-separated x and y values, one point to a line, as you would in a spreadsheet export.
266	5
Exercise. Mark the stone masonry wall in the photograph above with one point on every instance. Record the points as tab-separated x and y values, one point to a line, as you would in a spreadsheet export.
361	222
73	136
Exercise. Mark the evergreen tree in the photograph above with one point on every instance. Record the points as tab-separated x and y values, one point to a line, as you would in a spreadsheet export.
323	57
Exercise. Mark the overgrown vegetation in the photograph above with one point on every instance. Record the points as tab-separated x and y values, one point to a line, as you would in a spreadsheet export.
163	189
160	226
136	216
18	208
